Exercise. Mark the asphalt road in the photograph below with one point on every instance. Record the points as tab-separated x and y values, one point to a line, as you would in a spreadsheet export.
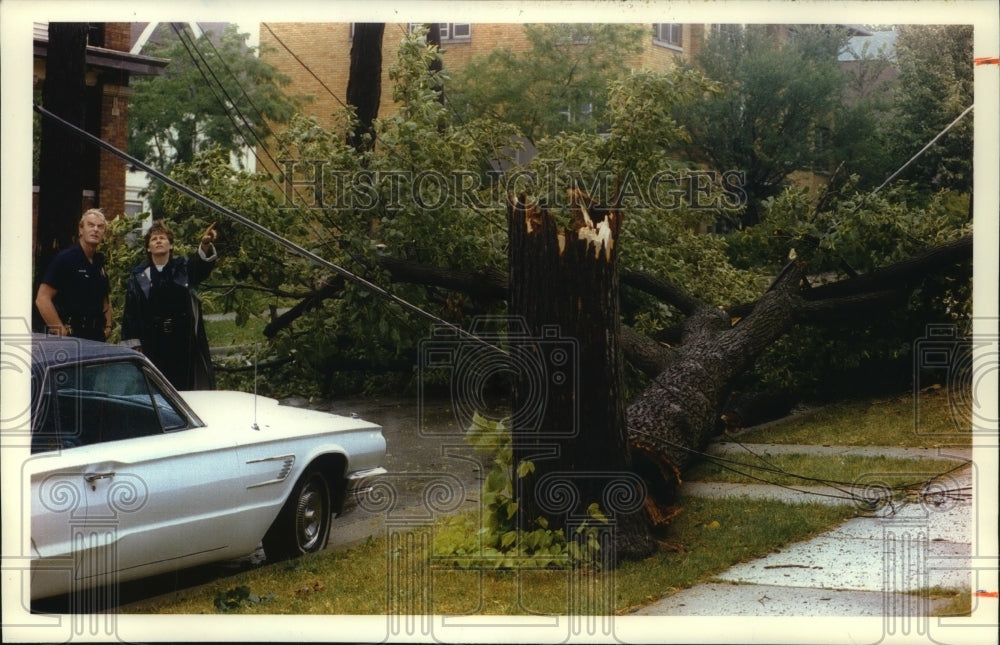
431	471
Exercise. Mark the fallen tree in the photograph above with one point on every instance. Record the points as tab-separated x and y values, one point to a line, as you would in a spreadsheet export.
671	422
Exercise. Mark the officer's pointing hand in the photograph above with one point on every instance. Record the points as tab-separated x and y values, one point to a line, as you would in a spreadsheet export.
208	237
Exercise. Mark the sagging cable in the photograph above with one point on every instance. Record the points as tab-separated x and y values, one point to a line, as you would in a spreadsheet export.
249	223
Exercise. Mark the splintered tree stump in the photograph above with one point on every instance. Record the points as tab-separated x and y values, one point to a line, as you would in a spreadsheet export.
568	399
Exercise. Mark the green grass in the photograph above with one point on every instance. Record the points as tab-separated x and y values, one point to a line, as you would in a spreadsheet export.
886	421
805	470
708	537
960	604
225	333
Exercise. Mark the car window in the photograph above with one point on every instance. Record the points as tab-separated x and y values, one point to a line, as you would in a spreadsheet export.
108	402
170	417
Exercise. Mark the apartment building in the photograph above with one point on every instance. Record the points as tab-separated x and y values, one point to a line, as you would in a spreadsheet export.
317	55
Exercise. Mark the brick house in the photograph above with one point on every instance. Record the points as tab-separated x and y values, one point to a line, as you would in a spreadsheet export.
316	56
109	66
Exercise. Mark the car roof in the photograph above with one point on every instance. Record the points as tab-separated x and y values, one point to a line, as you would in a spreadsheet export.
49	351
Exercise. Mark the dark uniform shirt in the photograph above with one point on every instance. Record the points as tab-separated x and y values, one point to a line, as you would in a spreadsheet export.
81	287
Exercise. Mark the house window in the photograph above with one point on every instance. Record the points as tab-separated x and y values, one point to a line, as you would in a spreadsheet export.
581	113
451	31
132	208
456	31
667	34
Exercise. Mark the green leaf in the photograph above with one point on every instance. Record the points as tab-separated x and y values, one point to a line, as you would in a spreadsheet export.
594	510
496	481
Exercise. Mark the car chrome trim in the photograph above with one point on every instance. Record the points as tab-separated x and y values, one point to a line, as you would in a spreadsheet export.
371	472
287	462
356	481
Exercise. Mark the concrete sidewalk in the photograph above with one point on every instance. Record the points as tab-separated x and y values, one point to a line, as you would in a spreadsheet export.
874	565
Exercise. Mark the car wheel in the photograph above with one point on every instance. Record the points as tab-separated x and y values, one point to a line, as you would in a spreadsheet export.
303	524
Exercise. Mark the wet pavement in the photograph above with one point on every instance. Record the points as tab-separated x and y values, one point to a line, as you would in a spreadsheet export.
432	470
881	564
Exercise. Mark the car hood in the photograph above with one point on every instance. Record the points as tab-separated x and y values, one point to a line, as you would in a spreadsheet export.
226	409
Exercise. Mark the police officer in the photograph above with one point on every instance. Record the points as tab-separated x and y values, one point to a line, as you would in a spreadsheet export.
72	298
162	316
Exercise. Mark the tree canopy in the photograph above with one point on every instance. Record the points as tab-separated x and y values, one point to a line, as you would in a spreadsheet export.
215	93
935	86
421	213
777	100
559	84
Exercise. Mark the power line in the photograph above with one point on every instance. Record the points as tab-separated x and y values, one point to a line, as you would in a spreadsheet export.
924	149
249	223
235	107
735	466
244	122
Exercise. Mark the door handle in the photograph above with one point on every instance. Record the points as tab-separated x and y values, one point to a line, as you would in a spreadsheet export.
92	478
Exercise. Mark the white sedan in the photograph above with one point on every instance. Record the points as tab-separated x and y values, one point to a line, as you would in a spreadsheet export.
130	478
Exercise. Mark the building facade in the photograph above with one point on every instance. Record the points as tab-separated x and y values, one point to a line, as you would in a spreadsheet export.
109	67
316	56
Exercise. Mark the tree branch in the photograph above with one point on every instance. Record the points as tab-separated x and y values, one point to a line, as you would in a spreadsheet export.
485	282
644	353
667	291
898	274
309	302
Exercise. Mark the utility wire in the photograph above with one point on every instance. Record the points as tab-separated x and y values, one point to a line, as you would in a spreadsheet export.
734	465
234	105
244	123
906	165
288	244
260	115
191	49
924	149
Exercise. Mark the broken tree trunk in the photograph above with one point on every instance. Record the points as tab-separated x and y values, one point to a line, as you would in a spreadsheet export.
671	423
568	411
674	418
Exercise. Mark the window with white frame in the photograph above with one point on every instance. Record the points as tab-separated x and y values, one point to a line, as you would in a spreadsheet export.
451	31
132	207
581	112
667	34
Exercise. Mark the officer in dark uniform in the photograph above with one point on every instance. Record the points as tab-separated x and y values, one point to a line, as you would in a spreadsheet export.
72	298
162	316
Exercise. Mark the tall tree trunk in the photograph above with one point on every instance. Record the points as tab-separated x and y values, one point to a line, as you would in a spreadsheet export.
437	65
568	414
61	156
364	85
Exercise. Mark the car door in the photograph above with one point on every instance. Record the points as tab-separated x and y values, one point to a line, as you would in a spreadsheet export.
136	486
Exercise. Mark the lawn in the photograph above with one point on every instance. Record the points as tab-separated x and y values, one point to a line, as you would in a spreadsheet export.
708	537
932	418
396	574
